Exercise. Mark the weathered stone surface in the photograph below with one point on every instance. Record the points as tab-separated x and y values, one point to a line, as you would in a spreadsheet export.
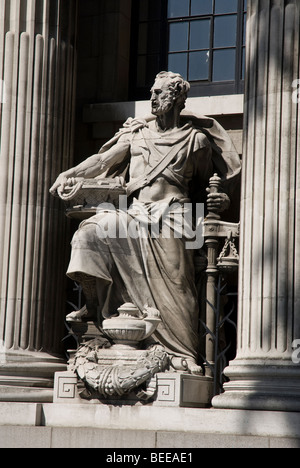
170	389
263	375
37	66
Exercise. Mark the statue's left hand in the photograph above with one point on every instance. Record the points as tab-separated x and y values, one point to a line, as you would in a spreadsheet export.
218	202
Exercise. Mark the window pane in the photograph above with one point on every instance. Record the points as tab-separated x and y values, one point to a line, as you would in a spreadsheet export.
142	44
178	36
149	38
178	8
243	63
154	10
154	38
224	65
178	64
225	6
199	65
202	7
244	28
245	5
141	71
200	34
150	10
144	7
225	31
152	69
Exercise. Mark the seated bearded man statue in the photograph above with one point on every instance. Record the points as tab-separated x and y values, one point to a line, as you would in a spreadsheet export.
167	160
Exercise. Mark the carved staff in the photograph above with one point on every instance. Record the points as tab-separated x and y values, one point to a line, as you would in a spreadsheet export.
212	245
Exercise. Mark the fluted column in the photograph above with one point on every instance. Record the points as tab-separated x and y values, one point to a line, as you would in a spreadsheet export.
263	375
37	63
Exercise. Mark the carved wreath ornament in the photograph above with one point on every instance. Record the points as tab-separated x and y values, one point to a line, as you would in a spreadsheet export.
105	381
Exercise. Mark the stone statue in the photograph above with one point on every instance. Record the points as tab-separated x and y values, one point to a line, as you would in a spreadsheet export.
166	160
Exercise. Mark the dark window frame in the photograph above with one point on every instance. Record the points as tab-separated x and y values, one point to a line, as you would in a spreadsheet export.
135	92
198	88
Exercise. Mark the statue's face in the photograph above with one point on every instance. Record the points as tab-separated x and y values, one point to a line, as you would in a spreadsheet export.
162	98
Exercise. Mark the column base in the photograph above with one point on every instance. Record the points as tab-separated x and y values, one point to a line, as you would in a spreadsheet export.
28	376
260	387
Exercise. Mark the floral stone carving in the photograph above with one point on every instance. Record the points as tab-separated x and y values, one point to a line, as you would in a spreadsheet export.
115	370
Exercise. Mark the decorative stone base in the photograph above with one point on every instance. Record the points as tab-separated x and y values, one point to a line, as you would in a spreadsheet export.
183	390
137	376
28	377
173	389
65	388
260	387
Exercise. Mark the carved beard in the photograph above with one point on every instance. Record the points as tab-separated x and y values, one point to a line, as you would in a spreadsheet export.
160	108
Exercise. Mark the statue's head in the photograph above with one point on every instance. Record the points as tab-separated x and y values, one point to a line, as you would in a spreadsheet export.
169	90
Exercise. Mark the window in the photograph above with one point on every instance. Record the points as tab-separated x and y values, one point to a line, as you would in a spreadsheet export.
203	40
149	44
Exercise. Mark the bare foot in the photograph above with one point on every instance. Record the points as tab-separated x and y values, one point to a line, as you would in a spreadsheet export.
194	368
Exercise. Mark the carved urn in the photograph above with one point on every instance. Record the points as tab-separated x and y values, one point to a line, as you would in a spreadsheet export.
129	328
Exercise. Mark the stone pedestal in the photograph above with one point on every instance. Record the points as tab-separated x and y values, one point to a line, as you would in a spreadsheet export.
173	389
37	65
263	375
183	390
162	388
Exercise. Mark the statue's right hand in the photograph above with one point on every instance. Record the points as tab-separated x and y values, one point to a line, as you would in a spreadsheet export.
59	184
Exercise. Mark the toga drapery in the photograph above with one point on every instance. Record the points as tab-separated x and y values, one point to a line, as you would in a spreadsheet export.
153	270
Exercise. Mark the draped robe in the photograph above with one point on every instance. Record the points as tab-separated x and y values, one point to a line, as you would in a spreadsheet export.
151	270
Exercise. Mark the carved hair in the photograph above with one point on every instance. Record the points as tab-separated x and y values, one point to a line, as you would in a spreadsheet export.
178	85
